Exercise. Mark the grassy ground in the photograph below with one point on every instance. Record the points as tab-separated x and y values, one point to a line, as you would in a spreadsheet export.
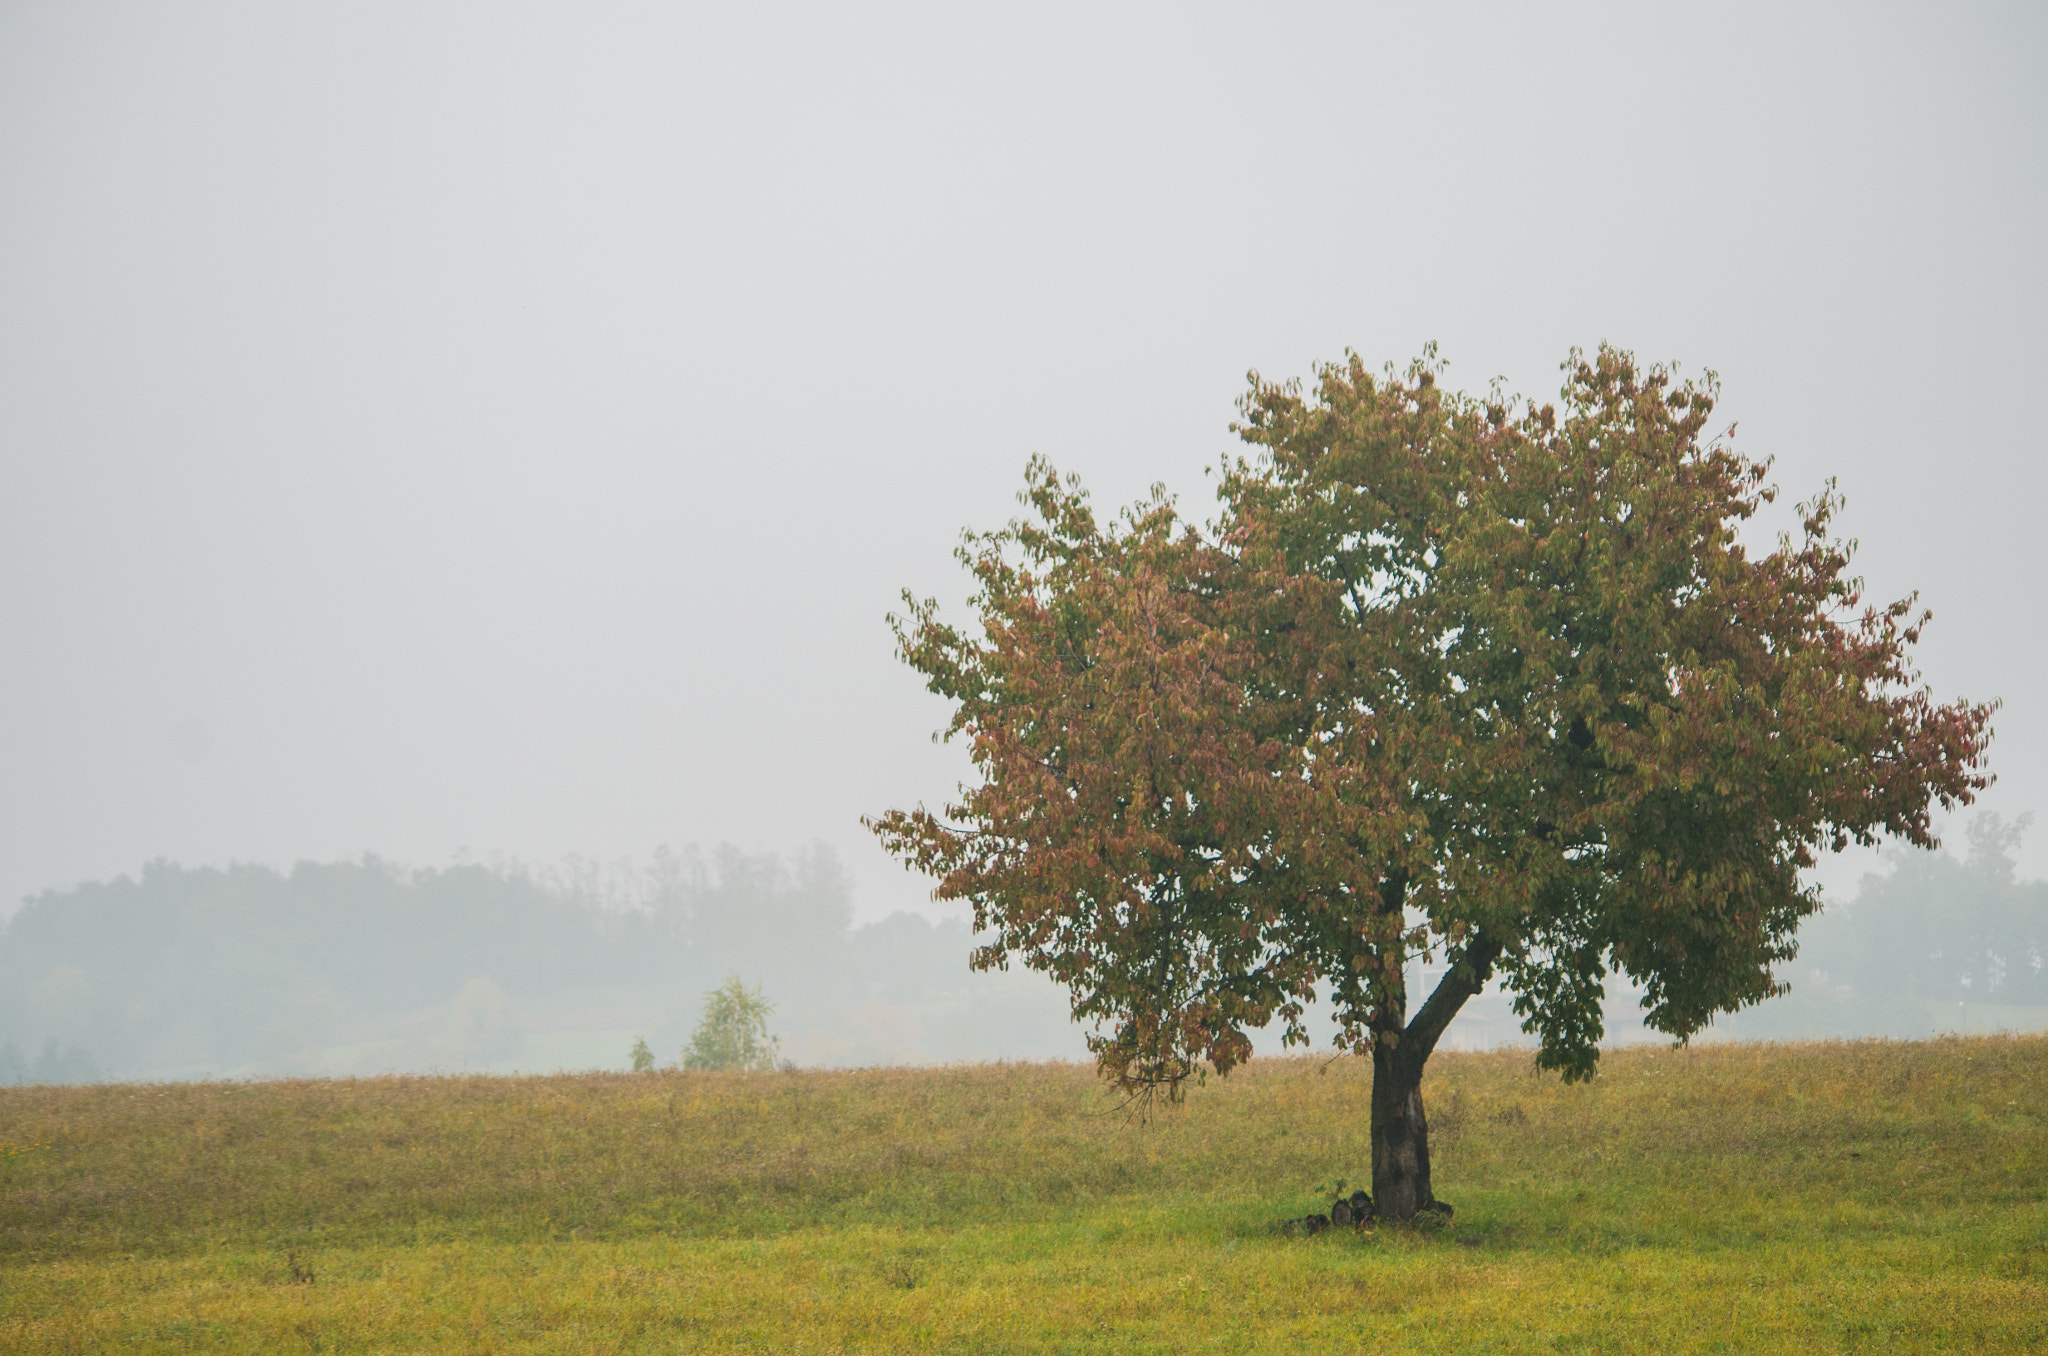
1881	1197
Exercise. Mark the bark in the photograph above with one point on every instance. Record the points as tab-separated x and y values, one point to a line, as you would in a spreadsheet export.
1400	1130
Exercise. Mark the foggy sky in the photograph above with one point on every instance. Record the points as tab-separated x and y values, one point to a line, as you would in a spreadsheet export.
489	428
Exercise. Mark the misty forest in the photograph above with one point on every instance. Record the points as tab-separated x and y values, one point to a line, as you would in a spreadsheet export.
365	967
353	968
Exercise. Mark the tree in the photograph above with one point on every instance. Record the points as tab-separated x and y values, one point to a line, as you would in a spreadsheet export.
1922	947
734	1031
1443	677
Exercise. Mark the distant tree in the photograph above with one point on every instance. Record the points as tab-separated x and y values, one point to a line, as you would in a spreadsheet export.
1444	678
66	1063
1993	841
1923	947
734	1031
480	1025
643	1057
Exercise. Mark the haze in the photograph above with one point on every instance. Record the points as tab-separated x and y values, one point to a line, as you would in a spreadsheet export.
456	431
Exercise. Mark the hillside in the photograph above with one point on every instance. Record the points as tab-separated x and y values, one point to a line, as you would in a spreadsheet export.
1735	1197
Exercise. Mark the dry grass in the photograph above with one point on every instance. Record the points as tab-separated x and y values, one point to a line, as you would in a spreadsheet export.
1875	1196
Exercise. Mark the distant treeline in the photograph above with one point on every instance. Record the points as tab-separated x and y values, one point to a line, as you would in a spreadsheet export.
362	967
1937	944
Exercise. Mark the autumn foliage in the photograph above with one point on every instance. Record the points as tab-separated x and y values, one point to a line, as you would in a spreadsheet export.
1444	676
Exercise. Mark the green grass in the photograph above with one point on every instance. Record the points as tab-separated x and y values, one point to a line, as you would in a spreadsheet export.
1851	1197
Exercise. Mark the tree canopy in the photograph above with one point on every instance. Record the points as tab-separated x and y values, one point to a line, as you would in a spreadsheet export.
1447	676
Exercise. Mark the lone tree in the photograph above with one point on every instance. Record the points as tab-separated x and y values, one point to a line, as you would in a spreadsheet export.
733	1034
1444	678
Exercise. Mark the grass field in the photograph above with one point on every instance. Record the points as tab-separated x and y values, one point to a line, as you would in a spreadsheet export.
1852	1197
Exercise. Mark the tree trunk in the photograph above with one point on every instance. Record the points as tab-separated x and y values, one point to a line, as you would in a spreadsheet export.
1400	1130
1400	1137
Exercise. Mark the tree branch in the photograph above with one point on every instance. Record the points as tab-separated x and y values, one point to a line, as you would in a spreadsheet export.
1465	979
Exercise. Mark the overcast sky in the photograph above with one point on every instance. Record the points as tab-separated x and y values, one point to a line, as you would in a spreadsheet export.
490	428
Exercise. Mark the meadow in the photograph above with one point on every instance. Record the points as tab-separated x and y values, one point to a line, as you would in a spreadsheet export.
1872	1196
